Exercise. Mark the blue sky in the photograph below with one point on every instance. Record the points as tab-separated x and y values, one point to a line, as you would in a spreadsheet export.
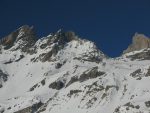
109	23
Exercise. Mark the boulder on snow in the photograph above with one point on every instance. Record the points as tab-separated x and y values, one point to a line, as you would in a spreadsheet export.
57	85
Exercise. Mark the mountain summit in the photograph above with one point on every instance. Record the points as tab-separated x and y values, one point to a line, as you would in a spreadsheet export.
25	37
62	73
139	41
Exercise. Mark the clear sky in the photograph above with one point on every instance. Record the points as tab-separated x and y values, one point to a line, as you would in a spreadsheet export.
109	23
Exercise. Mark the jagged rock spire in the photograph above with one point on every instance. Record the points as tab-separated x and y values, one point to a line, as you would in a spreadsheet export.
139	41
26	33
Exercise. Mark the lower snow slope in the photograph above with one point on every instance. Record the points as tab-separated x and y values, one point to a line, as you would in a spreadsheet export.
113	85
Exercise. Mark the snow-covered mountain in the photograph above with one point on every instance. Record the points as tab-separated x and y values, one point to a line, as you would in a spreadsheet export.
62	73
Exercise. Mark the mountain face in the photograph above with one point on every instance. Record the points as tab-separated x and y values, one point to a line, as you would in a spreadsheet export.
62	73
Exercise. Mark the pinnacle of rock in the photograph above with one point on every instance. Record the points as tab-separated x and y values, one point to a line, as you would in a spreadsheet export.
139	41
26	33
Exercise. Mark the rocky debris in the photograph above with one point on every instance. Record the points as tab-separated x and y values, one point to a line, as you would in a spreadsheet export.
57	85
139	42
31	109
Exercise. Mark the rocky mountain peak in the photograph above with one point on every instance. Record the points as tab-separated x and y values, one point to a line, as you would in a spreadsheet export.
68	45
139	41
52	73
67	36
25	33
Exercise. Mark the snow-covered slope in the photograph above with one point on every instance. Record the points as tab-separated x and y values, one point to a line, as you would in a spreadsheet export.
62	73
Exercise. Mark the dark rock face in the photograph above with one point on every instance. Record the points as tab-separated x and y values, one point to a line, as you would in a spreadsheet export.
9	40
63	37
94	73
25	33
144	55
127	107
31	109
72	80
57	85
58	65
136	73
21	57
38	85
59	39
2	110
147	104
148	73
3	78
47	56
72	92
32	88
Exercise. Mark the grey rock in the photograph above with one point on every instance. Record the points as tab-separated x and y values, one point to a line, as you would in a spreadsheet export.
139	42
24	33
93	73
57	85
32	109
144	55
136	73
147	103
72	80
148	72
3	78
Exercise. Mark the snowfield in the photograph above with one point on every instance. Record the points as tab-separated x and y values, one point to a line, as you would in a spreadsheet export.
71	76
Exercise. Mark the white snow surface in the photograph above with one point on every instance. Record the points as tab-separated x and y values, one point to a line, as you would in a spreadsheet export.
114	89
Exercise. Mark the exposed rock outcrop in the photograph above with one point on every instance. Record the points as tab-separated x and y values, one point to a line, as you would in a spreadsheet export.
31	109
3	78
139	42
57	85
143	55
25	33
